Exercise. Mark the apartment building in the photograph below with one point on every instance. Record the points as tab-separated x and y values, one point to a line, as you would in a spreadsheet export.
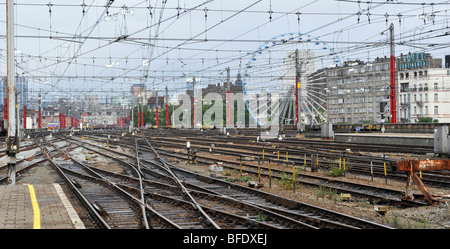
355	90
424	93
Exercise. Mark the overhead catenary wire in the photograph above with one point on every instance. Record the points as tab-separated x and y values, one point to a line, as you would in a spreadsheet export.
213	45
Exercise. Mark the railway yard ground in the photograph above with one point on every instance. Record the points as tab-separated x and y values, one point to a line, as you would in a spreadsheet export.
434	217
153	179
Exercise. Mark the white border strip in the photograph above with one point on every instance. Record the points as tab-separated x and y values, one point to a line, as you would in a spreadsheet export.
72	214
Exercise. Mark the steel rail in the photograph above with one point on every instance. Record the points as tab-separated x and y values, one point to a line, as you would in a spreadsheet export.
183	188
287	221
290	203
84	201
351	188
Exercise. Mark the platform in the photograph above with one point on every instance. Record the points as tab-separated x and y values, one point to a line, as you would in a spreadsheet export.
42	206
386	138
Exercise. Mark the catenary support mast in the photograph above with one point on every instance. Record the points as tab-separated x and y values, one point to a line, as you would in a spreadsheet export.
393	105
12	136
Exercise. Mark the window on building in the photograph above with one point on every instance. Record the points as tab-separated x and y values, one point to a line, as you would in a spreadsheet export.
426	110
435	86
426	97
415	109
436	109
436	97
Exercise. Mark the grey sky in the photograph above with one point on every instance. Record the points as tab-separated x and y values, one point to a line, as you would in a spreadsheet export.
189	42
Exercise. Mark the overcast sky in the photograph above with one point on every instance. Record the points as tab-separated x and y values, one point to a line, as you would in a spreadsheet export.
102	51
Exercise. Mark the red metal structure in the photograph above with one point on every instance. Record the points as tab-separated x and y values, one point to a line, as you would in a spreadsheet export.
195	113
413	166
39	119
392	94
229	108
24	116
5	109
297	83
167	115
392	77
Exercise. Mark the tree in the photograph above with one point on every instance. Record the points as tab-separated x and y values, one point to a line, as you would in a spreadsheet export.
427	120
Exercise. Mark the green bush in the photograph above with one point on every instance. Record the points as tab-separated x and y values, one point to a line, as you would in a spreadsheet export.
335	172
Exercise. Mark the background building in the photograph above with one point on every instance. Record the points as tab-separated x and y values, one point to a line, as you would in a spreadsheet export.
424	89
21	88
235	87
356	89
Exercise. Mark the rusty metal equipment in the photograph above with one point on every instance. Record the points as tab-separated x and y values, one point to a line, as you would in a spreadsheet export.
413	166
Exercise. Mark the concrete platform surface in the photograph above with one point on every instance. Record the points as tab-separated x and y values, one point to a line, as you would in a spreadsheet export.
414	139
418	135
42	206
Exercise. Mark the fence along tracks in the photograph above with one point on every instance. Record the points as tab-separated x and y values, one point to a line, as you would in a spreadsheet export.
257	209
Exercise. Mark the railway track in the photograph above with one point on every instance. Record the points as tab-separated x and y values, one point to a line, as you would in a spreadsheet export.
368	192
169	201
263	204
25	164
288	141
360	163
371	193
